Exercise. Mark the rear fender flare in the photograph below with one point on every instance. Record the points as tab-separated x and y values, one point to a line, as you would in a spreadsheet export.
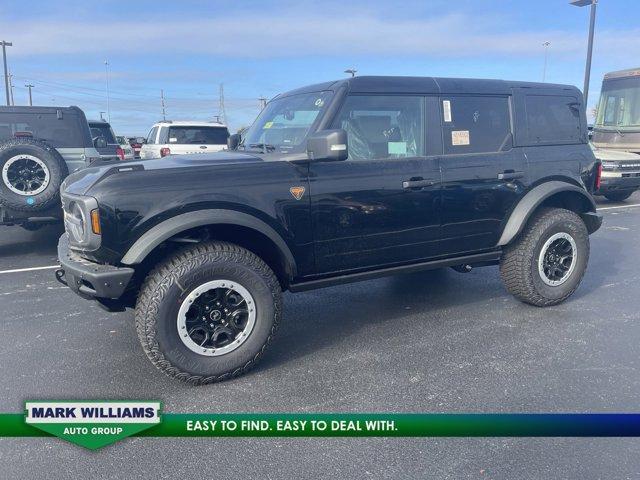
532	200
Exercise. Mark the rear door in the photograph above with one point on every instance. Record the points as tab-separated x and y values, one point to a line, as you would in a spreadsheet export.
483	175
183	139
380	206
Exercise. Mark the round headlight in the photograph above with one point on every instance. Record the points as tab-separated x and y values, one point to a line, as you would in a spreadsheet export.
76	222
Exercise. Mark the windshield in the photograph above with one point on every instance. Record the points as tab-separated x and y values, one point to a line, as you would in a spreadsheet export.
619	105
285	122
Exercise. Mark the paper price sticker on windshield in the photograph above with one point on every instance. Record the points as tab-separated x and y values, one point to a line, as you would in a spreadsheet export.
460	137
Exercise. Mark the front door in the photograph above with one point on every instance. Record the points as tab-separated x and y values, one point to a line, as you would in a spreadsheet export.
381	206
483	176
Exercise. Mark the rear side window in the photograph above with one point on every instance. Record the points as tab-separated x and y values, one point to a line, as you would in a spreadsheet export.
476	124
151	138
553	119
59	133
198	135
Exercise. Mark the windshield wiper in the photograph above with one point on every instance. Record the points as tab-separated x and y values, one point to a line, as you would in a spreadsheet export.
265	147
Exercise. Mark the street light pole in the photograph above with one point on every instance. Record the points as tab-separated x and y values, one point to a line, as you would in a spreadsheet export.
351	71
106	71
546	52
592	24
29	86
6	73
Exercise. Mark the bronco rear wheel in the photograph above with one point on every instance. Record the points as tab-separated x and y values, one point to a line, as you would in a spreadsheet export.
208	313
546	263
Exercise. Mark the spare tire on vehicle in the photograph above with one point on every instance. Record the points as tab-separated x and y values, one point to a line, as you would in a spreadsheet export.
31	174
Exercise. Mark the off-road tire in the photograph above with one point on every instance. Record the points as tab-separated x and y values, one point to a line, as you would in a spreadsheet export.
618	196
55	164
166	287
519	263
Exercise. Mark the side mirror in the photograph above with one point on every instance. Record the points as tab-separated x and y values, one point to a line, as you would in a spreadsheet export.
233	141
99	142
328	146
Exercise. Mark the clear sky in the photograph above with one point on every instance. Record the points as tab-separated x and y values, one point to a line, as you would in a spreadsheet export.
261	48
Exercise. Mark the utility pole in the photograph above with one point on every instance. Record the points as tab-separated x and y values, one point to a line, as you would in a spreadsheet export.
221	109
592	24
263	102
546	52
162	103
102	116
29	86
106	71
11	89
6	73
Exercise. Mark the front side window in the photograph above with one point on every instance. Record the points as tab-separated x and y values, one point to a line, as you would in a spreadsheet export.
553	119
285	122
476	124
186	135
381	127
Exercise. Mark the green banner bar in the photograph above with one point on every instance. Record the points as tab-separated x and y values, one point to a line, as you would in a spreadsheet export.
370	425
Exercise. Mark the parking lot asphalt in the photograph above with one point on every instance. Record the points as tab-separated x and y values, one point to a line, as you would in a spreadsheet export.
435	341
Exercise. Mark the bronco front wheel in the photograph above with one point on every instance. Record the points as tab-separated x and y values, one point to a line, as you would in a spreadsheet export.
208	313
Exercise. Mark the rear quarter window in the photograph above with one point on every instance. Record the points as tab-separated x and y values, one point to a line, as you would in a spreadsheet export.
476	124
553	119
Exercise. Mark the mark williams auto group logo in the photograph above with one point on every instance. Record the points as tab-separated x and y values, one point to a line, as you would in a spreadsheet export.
92	424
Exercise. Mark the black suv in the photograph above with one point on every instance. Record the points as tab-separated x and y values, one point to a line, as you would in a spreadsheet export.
334	183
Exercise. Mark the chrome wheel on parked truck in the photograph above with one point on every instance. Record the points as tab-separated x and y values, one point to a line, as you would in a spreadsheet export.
207	313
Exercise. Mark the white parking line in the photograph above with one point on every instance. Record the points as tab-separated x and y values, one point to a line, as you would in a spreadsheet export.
620	206
18	270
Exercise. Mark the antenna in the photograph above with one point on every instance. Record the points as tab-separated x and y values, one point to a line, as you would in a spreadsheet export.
164	117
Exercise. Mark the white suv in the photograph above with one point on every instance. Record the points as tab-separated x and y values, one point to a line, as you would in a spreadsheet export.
170	138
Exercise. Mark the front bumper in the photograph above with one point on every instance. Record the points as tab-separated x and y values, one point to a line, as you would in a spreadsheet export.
88	279
618	180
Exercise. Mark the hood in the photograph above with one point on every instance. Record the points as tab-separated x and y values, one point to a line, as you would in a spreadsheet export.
79	183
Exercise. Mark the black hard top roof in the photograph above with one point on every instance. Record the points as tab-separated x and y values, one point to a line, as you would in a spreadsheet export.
35	109
427	85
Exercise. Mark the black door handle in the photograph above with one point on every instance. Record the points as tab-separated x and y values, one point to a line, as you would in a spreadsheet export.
510	175
417	183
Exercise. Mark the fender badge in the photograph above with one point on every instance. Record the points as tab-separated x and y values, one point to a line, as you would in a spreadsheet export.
297	192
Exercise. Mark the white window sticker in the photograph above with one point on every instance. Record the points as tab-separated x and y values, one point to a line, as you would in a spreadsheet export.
173	139
460	137
446	107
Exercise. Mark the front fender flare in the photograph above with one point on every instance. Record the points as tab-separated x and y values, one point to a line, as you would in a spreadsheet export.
523	210
167	229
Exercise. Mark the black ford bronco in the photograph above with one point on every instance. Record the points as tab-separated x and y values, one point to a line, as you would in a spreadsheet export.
334	183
